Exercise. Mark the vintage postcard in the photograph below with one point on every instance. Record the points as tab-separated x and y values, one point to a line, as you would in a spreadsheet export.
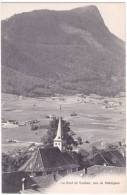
63	97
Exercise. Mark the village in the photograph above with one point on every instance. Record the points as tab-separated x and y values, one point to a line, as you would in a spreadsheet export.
63	97
35	165
106	103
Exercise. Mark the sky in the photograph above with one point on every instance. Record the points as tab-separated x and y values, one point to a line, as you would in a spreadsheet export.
112	13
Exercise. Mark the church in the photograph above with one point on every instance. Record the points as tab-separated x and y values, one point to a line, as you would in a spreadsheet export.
45	166
51	159
58	139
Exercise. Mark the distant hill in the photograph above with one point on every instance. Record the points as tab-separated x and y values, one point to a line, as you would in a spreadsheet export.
46	52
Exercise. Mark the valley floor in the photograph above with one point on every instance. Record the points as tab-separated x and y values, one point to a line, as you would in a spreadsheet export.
96	119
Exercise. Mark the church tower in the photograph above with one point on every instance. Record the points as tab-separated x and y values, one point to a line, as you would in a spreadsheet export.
58	138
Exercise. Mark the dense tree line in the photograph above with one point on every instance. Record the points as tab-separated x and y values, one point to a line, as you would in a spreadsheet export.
68	136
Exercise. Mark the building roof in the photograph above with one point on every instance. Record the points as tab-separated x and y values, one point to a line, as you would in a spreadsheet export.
97	169
59	131
101	169
48	159
110	157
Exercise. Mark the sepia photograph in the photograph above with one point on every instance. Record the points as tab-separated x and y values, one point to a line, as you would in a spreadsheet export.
63	124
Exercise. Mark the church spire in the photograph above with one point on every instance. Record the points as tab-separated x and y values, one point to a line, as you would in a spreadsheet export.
58	138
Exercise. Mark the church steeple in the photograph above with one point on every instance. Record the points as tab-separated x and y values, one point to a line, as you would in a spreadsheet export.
58	138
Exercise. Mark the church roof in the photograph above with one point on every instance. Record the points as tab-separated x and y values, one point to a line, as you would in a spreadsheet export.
59	130
48	159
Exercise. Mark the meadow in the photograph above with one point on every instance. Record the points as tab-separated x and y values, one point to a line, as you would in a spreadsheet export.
93	122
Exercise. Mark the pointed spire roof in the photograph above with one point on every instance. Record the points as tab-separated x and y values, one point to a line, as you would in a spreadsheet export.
59	129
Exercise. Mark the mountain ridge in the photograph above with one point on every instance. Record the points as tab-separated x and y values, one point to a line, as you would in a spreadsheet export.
72	51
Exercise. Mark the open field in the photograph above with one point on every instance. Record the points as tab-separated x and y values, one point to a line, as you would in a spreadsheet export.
94	122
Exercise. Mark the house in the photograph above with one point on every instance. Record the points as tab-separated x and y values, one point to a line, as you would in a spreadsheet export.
46	161
9	124
45	166
97	169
